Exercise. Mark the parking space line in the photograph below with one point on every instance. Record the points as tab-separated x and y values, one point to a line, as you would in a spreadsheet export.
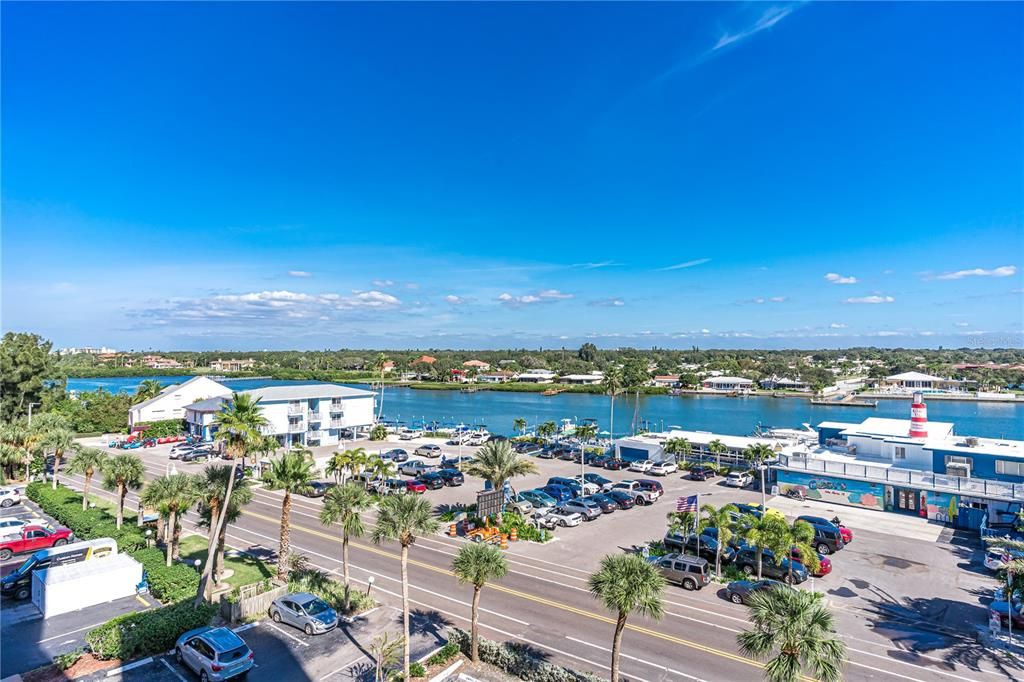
70	632
130	666
173	671
143	601
344	667
286	634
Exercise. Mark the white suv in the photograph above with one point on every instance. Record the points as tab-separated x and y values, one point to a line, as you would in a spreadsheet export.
641	466
739	479
9	496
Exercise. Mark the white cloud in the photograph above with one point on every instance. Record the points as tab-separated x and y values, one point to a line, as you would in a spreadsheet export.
299	273
871	299
553	293
608	303
887	333
777	299
705	331
961	324
836	278
454	300
542	296
837	325
383	283
769	17
269	306
687	264
1002	271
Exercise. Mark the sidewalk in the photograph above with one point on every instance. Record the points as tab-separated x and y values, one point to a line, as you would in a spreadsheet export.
889	523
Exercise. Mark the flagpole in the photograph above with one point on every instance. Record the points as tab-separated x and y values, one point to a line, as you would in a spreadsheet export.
696	524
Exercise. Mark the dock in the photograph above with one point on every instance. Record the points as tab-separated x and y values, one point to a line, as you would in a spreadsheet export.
848	401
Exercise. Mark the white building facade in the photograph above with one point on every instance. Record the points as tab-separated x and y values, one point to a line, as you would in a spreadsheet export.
172	401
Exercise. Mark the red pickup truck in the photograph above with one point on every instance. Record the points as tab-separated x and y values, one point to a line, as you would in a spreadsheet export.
33	538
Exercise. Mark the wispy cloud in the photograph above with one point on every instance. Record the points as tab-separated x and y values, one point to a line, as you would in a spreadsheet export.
542	296
299	273
383	283
836	278
768	18
1003	271
837	325
961	324
594	266
871	299
608	303
270	306
687	264
760	300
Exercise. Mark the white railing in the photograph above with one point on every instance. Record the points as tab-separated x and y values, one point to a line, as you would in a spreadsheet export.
313	416
337	423
314	435
295	426
296	408
337	407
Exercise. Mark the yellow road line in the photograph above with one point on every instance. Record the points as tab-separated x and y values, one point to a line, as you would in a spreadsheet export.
530	597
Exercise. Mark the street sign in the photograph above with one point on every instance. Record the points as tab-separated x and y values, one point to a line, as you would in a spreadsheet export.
489	502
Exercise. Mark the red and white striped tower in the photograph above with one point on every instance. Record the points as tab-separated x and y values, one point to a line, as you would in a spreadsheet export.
918	417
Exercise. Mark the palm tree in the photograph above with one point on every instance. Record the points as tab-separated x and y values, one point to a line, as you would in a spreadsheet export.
147	388
721	519
717	448
756	456
87	461
17	437
497	462
381	468
612	385
380	365
174	494
402	518
292	472
345	506
11	457
625	584
766	531
800	536
378	432
212	487
794	631
519	424
122	473
338	465
678	446
60	440
477	564
547	429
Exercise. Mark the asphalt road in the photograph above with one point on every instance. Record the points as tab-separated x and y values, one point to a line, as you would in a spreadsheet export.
544	602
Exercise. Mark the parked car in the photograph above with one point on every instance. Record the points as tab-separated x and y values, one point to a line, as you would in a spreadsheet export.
585	507
691	573
432	480
455	461
563	517
622	498
305	611
9	497
409	434
1002	610
396	455
568	453
559	492
429	450
521	506
415	486
32	538
547	452
654	488
740	591
214	653
538	498
663	468
18	583
603	484
824	563
844	532
317	489
451	477
607	504
827	538
478	438
600	460
641	466
640	495
996	558
528	449
756	511
197	455
573	484
390	486
11	526
703	546
415	467
739	479
614	464
746	561
701	473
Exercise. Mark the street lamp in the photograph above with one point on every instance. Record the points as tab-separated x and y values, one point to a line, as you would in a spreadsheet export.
197	563
149	537
30	406
369	585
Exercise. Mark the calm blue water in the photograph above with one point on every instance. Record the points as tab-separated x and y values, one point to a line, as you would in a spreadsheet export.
738	416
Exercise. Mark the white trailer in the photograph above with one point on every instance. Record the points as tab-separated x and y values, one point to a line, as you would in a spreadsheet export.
71	587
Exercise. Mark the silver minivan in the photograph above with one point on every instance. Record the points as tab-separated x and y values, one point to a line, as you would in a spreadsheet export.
214	654
306	611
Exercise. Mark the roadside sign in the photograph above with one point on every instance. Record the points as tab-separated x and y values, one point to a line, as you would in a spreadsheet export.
489	502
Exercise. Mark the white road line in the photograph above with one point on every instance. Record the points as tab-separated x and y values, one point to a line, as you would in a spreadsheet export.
638	660
344	667
70	632
173	671
130	666
286	634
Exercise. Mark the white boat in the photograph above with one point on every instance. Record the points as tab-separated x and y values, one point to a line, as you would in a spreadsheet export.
801	435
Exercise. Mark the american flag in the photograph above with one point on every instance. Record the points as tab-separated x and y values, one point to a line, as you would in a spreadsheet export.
686	504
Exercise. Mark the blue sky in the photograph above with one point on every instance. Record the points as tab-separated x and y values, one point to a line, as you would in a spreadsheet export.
240	176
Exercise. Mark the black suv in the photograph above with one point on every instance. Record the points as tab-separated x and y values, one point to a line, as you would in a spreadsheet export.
451	477
692	573
827	537
704	546
701	473
432	480
746	561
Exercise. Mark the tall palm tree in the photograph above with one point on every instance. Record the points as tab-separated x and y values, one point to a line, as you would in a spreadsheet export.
677	447
799	536
341	465
547	429
625	584
17	437
380	365
291	472
766	531
477	564
122	473
381	468
612	384
402	518
87	461
497	462
345	506
212	487
147	388
721	519
717	448
794	631
756	456
60	441
174	494
519	424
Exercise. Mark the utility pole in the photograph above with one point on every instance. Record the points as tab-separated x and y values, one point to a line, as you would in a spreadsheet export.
30	405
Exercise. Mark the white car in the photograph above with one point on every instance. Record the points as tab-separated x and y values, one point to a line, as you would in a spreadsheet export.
663	468
478	438
9	496
996	558
562	517
409	434
12	526
641	466
739	479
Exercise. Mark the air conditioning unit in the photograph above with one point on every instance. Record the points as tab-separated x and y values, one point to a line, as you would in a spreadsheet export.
961	469
971	442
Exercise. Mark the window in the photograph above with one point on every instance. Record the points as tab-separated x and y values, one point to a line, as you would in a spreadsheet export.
957	459
1009	468
901	452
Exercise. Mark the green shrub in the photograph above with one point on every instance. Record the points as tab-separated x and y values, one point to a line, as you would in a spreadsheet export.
416	669
147	632
65	506
517	659
164	428
445	654
305	578
524	529
167	583
67	659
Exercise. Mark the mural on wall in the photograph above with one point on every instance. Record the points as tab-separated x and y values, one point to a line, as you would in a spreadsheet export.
942	507
831	489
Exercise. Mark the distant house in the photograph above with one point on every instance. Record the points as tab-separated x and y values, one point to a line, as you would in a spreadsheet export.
171	402
774	383
591	379
727	384
495	377
536	376
426	359
159	362
908	381
389	366
238	365
666	381
478	365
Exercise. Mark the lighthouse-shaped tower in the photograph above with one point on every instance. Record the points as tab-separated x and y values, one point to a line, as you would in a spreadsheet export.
918	417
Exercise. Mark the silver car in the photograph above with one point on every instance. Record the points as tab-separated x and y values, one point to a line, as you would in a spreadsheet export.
588	509
428	450
306	611
214	654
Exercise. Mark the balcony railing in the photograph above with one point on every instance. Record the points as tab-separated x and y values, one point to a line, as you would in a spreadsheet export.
296	409
337	408
908	477
296	426
337	423
314	435
313	416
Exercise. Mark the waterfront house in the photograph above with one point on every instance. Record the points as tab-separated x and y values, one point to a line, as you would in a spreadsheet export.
666	381
478	365
727	384
908	382
591	379
775	383
426	359
536	376
171	402
233	365
495	377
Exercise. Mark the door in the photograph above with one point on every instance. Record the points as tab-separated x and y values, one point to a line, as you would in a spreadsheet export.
906	500
37	539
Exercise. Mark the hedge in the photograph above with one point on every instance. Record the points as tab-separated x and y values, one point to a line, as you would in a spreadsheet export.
65	506
518	659
167	583
145	633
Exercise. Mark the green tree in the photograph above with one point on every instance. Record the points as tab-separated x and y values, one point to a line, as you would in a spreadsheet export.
175	494
147	388
212	488
291	473
402	518
587	352
800	536
380	364
519	424
477	564
25	366
381	468
122	473
794	631
612	385
378	432
547	429
344	506
756	456
497	462
720	518
87	461
717	448
60	441
678	447
625	584
17	442
766	531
